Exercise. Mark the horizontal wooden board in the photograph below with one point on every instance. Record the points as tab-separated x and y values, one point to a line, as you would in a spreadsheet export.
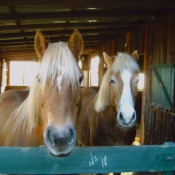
37	160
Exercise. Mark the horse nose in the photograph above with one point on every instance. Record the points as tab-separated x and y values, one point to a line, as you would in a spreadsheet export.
126	119
60	138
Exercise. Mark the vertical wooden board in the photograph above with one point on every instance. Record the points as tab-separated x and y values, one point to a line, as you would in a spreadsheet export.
119	44
149	125
149	59
141	39
113	47
132	40
146	126
1	69
164	125
158	41
172	118
156	127
173	134
153	126
128	42
167	134
159	126
169	38
86	63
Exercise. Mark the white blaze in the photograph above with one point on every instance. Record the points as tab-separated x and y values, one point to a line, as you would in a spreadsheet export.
126	105
60	78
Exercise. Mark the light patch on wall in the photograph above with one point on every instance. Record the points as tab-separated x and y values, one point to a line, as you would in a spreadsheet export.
22	73
140	85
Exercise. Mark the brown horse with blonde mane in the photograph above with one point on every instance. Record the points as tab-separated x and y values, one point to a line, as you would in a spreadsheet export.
46	113
107	116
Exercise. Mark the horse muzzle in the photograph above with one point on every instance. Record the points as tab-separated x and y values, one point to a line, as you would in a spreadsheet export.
126	120
60	141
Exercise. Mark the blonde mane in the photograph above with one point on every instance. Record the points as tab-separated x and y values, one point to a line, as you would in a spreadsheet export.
122	61
57	60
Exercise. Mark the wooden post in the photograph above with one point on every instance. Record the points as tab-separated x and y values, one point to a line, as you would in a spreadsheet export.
144	98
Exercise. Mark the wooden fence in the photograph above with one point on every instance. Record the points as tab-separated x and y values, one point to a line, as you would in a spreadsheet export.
37	160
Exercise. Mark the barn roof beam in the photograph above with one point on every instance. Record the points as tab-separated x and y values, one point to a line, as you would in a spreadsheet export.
84	15
67	32
73	25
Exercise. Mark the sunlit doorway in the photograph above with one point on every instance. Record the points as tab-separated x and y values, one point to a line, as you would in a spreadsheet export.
94	71
22	73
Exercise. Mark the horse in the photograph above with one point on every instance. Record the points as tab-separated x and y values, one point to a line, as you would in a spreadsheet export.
107	116
46	113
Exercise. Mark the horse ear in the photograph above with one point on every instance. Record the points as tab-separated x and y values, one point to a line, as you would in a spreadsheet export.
40	44
135	55
109	60
76	44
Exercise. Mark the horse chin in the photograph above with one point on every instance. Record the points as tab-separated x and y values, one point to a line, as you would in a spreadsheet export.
60	154
126	125
60	151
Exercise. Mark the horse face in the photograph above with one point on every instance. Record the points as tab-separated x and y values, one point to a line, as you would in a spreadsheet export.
60	110
60	98
123	89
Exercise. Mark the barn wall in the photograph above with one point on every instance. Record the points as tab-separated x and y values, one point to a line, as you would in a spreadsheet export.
156	41
1	68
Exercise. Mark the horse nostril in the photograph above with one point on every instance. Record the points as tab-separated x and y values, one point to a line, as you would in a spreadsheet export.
49	137
121	116
72	136
133	116
71	133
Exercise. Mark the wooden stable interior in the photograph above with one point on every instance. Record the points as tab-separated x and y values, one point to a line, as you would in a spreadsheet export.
110	26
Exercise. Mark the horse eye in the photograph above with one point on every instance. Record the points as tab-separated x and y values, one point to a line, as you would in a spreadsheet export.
112	81
81	79
37	77
137	81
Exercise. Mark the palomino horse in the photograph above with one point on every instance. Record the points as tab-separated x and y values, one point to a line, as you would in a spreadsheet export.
47	112
107	117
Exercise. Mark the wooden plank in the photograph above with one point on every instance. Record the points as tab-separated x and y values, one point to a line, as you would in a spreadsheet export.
97	3
73	25
37	160
105	14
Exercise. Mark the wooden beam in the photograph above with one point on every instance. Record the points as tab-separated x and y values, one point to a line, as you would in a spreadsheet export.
86	38
85	15
73	25
84	32
68	3
37	160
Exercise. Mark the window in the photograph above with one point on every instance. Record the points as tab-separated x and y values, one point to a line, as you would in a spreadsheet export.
22	73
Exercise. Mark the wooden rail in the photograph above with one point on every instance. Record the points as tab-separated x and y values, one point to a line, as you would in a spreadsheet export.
37	160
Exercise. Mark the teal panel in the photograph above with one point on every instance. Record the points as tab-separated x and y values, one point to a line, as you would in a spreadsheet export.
163	77
37	160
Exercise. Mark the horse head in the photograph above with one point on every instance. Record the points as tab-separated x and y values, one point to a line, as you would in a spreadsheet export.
119	87
59	92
